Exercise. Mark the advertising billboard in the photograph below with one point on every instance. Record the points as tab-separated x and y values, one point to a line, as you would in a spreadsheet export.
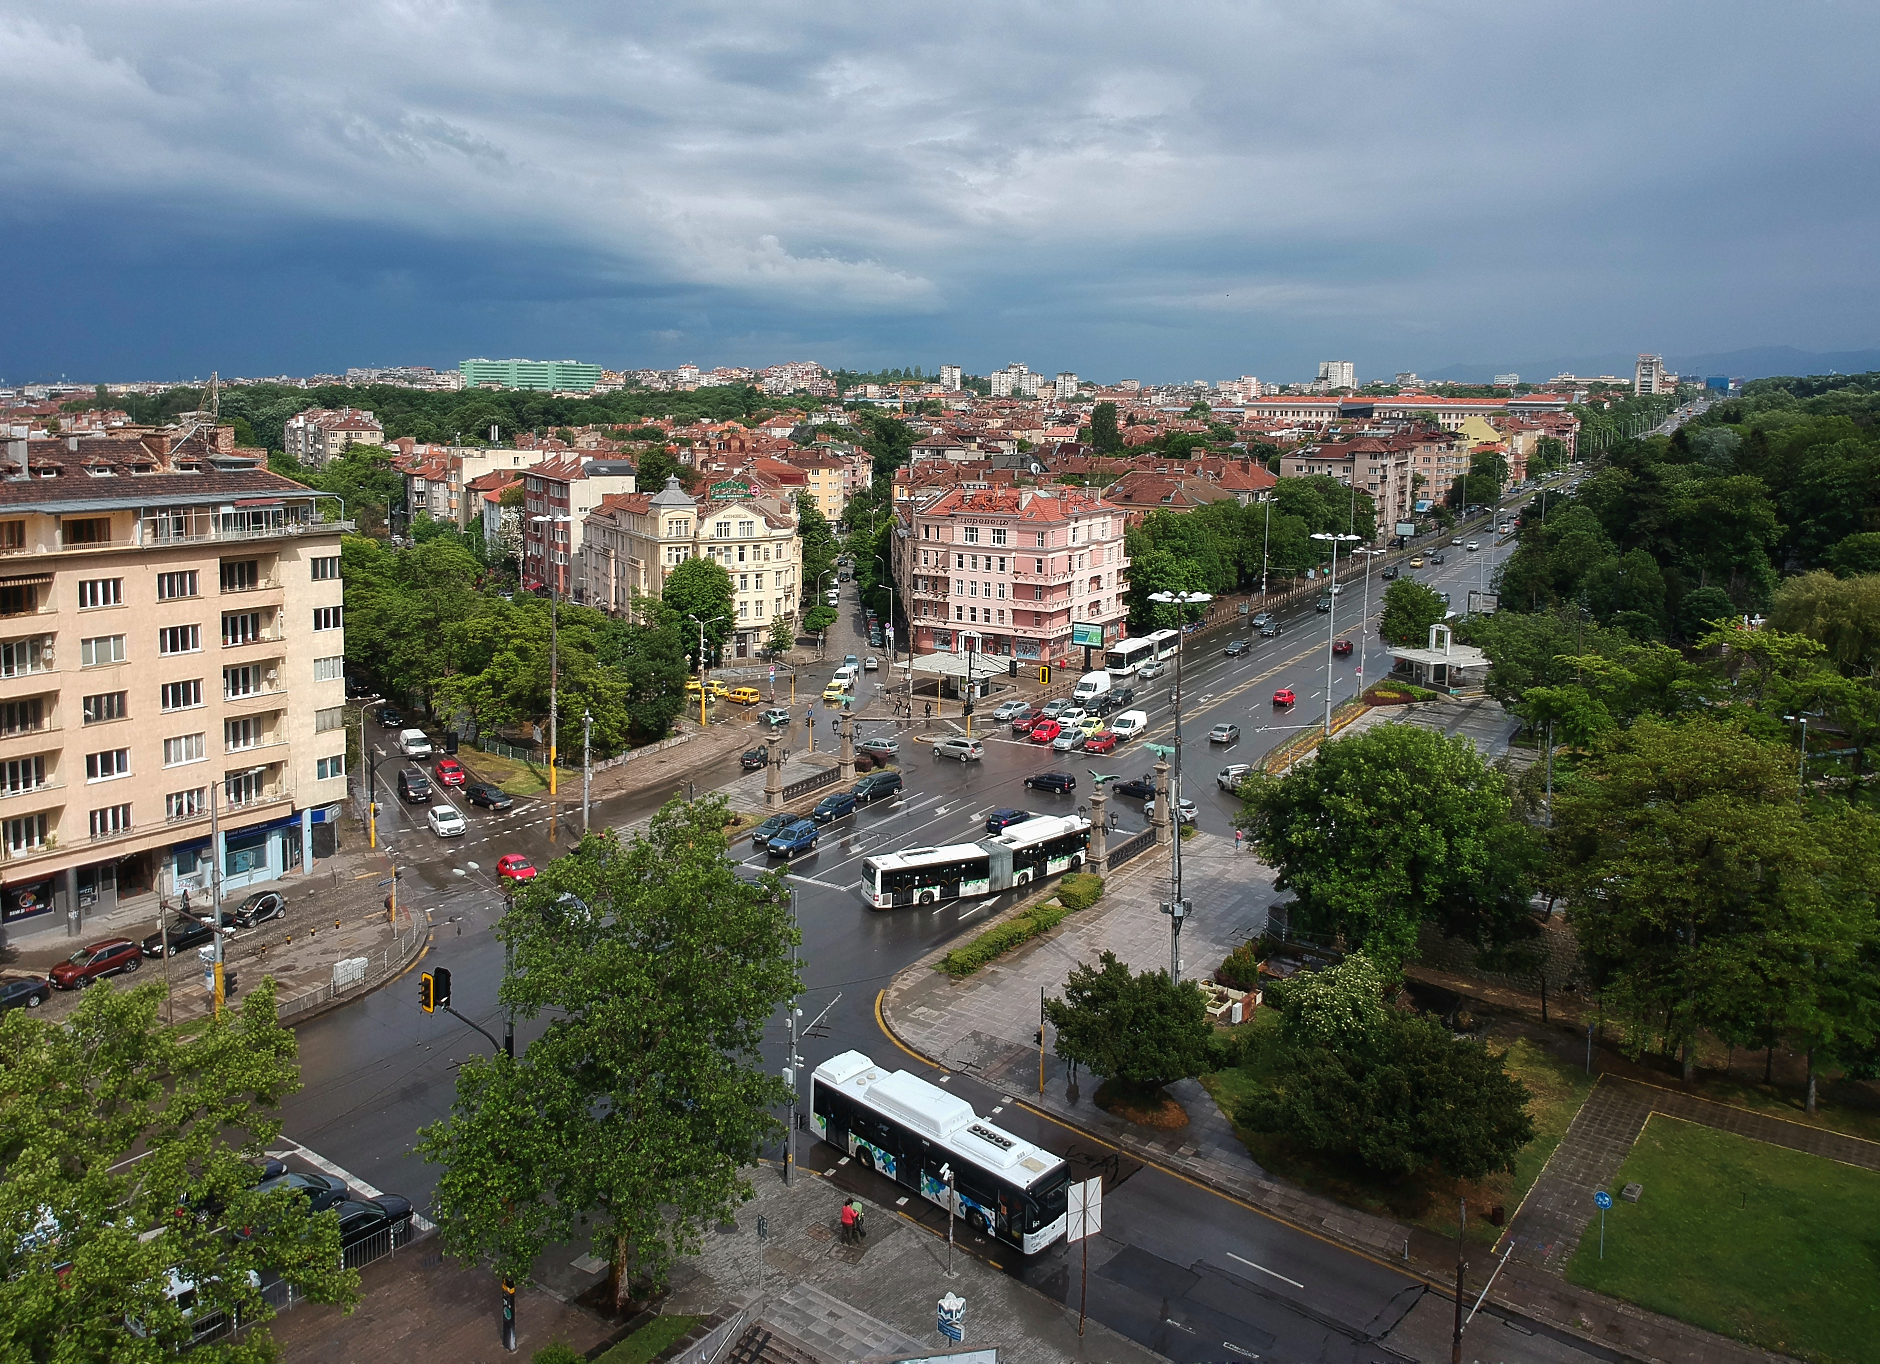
1086	635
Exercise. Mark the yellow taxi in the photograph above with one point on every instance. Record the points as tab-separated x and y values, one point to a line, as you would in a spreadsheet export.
744	696
835	694
1417	562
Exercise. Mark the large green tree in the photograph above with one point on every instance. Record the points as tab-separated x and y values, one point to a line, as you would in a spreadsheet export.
1410	609
642	1105
129	1149
1103	433
1137	1027
698	593
1388	829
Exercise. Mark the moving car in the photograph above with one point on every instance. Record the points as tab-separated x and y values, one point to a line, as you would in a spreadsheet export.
1185	809
1069	741
1025	719
1237	648
449	772
447	821
753	758
1104	741
100	959
515	867
1129	724
1270	630
1151	669
1390	574
1060	782
1341	648
871	664
1051	708
185	932
1071	715
744	696
1456	541
1136	788
413	785
798	836
23	992
259	908
1224	733
836	805
1045	731
414	743
776	715
881	743
1417	562
876	785
1261	618
835	694
1117	698
1472	546
957	746
1284	697
1009	711
389	718
1228	779
1436	559
494	797
1000	820
769	829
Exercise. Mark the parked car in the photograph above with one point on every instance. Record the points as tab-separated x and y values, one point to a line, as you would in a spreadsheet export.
100	959
776	715
389	718
1229	777
185	931
1150	670
1270	630
744	696
1186	810
413	785
363	1219
1009	711
798	836
1000	820
880	743
259	908
1103	741
1022	722
1224	733
515	867
753	758
1071	715
1069	741
960	747
1060	782
1045	731
1237	648
447	821
1341	648
1284	697
836	805
23	992
492	797
876	785
1135	788
320	1191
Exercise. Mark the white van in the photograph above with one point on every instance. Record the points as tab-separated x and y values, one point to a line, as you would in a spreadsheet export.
845	676
413	744
1129	724
1089	687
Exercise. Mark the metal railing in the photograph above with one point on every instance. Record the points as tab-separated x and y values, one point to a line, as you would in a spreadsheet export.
1135	845
802	786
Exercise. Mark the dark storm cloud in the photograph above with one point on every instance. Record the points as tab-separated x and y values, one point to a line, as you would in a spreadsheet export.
1163	191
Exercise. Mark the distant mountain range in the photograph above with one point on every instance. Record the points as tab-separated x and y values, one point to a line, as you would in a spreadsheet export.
1758	362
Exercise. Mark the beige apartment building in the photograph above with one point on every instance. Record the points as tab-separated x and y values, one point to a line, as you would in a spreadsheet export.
171	648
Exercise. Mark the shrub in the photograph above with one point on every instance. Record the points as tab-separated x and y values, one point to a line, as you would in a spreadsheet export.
1080	890
557	1352
1241	969
1001	938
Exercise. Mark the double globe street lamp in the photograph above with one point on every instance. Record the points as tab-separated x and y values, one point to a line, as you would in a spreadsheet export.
1177	908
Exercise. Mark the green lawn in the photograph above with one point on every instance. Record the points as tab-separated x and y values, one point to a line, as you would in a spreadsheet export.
1557	1090
1747	1239
649	1341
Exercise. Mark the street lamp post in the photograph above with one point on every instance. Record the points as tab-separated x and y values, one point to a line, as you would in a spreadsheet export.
1331	617
554	656
1266	546
715	620
1177	908
1364	621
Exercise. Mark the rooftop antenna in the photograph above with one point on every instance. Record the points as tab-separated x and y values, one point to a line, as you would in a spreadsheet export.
215	397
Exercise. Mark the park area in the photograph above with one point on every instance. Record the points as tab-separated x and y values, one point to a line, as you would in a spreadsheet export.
1754	1241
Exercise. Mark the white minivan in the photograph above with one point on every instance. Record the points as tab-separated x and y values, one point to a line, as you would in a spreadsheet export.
1089	687
1129	724
413	743
846	675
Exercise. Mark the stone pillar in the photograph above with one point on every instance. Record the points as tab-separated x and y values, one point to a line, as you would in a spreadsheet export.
773	772
847	731
1098	856
1161	820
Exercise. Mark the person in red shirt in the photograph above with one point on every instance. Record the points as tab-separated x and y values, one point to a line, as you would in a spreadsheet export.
848	1220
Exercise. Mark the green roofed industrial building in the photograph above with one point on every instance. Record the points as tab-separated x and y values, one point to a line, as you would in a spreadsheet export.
543	374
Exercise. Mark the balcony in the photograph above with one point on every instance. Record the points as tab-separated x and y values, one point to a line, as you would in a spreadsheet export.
1043	579
15	792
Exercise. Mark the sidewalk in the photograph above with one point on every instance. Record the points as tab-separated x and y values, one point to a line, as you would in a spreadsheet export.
984	1023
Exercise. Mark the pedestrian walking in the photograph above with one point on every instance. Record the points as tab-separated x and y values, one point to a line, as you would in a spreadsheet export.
1238	835
848	1220
929	706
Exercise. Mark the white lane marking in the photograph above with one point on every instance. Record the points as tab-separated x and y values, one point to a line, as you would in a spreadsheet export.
326	1166
826	885
1264	1270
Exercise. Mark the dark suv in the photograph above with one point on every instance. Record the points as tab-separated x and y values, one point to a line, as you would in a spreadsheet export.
95	962
1117	698
799	836
836	805
413	784
876	785
769	829
1060	782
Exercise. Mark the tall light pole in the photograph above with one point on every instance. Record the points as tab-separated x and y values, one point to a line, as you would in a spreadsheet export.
715	620
1266	546
1331	617
1364	621
554	655
1177	909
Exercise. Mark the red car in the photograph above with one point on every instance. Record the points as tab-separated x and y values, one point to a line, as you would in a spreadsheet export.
1023	723
95	962
449	772
1046	731
515	867
1284	697
1102	742
1341	648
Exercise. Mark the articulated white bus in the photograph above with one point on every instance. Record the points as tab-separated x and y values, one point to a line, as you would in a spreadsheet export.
1025	852
1126	655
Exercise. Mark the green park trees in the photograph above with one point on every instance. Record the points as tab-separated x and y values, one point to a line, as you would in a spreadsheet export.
1141	1029
655	966
1104	436
698	594
1410	609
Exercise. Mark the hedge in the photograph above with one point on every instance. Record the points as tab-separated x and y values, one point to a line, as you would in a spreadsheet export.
1079	891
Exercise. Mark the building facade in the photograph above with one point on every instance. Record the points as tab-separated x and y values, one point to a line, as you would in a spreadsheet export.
1649	376
172	684
319	434
552	375
557	496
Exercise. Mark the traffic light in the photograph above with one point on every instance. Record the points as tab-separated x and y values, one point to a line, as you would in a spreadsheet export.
1044	674
427	993
1011	669
967	709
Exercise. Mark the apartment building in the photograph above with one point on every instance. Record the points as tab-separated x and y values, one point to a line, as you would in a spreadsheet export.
950	378
1336	374
171	648
1007	571
557	496
826	479
632	541
319	434
1649	376
572	376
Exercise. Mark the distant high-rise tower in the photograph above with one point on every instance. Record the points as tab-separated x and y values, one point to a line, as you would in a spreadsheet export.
950	378
1650	376
1338	374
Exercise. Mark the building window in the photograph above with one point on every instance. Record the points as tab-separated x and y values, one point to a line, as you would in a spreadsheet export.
326	617
959	587
1040	565
185	748
186	804
244	681
959	613
171	586
746	528
114	819
18	657
96	592
330	718
1037	594
998	535
108	765
19	600
23	717
246	732
179	639
1001	591
182	695
240	575
959	561
323	768
329	669
93	653
972	535
241	627
244	788
326	568
96	531
108	705
20	775
721	530
24	834
1044	539
743	609
12	536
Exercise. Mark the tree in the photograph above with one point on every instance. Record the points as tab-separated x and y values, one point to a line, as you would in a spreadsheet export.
653	467
698	592
113	1128
1141	1029
782	636
1391	828
1840	613
1410	609
1103	433
642	1103
818	541
819	618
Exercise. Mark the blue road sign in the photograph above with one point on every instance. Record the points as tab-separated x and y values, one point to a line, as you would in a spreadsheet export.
1603	1200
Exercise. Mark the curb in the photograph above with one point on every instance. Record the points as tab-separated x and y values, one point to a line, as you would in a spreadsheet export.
413	954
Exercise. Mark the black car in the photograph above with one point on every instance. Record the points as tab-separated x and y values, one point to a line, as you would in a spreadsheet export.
1117	698
1060	782
259	908
482	793
836	805
1000	820
23	992
753	758
390	719
1136	788
413	784
1390	574
876	785
769	829
185	931
1237	648
321	1191
362	1219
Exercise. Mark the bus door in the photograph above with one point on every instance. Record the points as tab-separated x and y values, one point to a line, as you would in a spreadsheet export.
1011	1215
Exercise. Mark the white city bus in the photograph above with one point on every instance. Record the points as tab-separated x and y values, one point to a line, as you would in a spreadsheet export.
1166	642
1126	655
1025	852
901	1126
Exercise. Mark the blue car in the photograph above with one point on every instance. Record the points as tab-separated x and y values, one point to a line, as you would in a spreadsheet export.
795	838
833	806
1001	820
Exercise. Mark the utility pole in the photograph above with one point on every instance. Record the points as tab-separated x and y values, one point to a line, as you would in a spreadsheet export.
587	765
215	891
1455	1344
1331	618
1177	908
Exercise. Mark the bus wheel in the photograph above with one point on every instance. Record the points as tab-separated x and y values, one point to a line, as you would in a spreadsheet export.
980	1222
928	897
866	1157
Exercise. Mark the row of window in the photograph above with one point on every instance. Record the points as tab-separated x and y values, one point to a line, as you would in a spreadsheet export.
26	716
30	833
237	575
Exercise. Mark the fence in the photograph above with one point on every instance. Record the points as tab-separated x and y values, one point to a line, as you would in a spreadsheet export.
1115	854
802	786
387	963
282	1296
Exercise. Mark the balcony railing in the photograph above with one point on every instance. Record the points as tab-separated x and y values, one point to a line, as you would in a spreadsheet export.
14	792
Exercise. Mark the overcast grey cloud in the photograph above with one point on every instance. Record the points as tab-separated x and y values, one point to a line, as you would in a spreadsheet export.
1182	190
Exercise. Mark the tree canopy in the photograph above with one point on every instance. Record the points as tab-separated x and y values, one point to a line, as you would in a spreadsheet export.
1140	1028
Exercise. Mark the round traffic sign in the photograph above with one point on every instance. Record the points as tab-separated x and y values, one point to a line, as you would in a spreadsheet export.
1603	1199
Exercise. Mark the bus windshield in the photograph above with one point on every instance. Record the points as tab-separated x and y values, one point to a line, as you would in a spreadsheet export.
1048	1202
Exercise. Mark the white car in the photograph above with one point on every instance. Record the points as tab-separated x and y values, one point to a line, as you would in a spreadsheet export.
1150	669
1071	715
1186	808
447	821
1129	724
1473	545
1229	777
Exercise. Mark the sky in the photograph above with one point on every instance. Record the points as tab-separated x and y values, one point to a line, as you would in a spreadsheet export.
1161	192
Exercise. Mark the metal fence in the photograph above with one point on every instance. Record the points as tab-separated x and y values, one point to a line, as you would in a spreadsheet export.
802	786
282	1295
1115	854
388	962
